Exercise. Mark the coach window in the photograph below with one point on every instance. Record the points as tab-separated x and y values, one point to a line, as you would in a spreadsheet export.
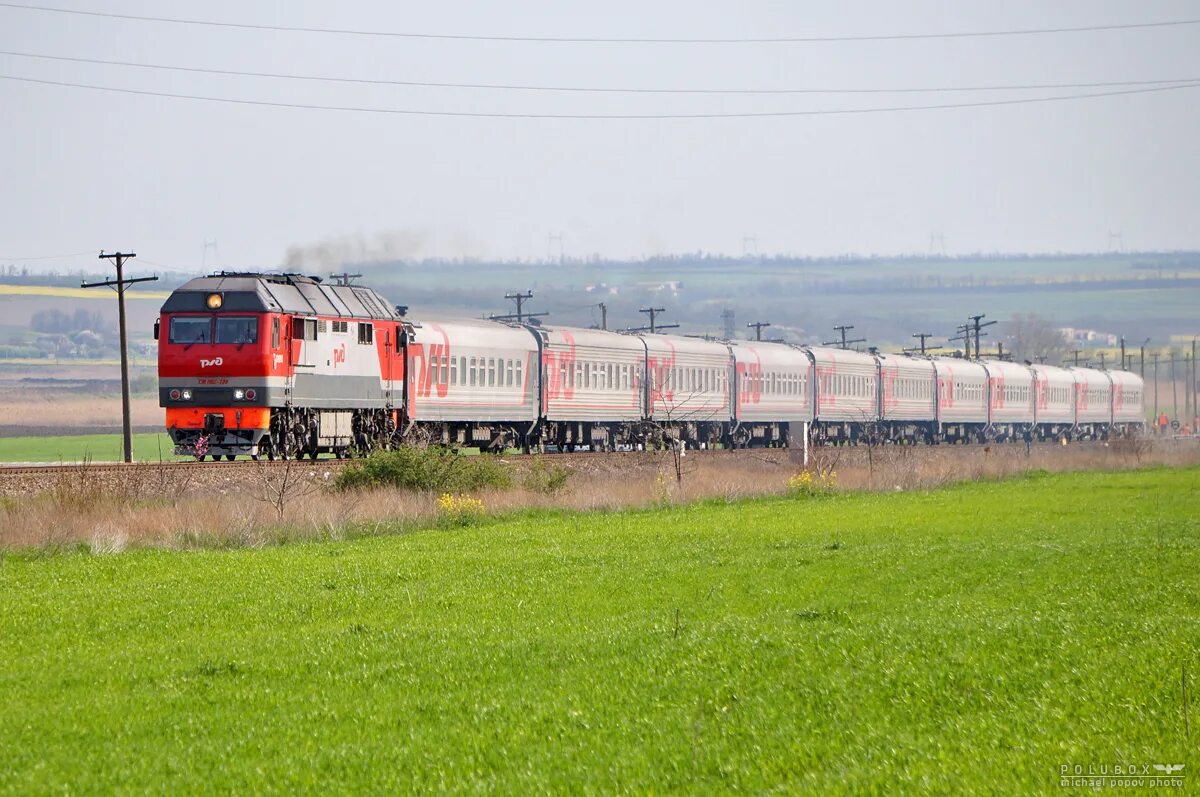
454	370
517	373
237	330
508	373
191	330
473	364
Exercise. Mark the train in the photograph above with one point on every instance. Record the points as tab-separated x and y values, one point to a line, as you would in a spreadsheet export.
254	364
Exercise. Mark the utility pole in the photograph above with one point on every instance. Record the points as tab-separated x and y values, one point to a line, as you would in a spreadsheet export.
758	328
1143	360
1102	367
654	325
603	315
119	285
845	344
1155	356
344	279
1122	352
519	298
1174	393
922	336
976	326
1075	354
1195	383
728	318
520	315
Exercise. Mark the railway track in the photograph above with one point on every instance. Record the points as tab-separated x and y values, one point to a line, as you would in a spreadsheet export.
22	468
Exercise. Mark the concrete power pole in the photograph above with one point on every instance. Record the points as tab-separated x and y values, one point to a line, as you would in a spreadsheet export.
119	285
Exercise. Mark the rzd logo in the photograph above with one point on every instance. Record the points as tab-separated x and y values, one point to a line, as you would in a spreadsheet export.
213	361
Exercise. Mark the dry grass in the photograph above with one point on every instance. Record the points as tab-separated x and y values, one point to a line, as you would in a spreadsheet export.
162	508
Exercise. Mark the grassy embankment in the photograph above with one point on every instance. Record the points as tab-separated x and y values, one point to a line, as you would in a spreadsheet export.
971	638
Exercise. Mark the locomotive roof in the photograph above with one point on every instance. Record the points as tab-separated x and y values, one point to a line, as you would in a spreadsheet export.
280	293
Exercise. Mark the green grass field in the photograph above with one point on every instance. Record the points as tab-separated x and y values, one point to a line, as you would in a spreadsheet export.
75	448
972	639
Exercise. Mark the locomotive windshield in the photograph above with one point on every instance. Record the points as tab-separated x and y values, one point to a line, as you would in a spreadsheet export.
237	330
191	330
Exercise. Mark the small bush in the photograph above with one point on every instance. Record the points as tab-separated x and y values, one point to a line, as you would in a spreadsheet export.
460	510
546	477
808	483
426	469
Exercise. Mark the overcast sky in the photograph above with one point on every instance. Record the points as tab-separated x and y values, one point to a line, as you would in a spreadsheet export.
84	170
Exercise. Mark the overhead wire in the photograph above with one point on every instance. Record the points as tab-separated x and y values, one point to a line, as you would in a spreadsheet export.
531	115
44	257
593	89
609	40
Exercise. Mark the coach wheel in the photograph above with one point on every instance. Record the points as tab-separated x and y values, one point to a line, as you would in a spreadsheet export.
200	457
230	457
312	454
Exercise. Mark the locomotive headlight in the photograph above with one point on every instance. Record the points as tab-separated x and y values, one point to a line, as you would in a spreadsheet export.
250	394
187	395
214	301
239	394
174	394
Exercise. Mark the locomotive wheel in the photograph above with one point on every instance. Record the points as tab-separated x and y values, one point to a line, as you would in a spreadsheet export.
200	457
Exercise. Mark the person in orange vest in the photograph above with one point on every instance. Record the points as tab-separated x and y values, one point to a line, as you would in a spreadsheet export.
1162	423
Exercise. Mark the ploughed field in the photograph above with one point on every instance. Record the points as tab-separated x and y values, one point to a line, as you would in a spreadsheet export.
977	637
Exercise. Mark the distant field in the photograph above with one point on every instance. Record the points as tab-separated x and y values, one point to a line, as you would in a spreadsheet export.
972	639
76	448
55	362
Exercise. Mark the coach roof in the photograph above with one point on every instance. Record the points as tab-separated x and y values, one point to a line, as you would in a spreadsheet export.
280	293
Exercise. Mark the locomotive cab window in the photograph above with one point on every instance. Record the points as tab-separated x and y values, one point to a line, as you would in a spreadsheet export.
237	330
366	333
191	330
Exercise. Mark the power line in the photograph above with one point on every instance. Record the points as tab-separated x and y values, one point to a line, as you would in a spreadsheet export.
44	257
592	89
610	40
519	115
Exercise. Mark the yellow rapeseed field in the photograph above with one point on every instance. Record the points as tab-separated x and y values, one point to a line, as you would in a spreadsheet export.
74	293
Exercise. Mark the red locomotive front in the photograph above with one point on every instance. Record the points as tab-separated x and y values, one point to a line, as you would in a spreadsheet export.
276	364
